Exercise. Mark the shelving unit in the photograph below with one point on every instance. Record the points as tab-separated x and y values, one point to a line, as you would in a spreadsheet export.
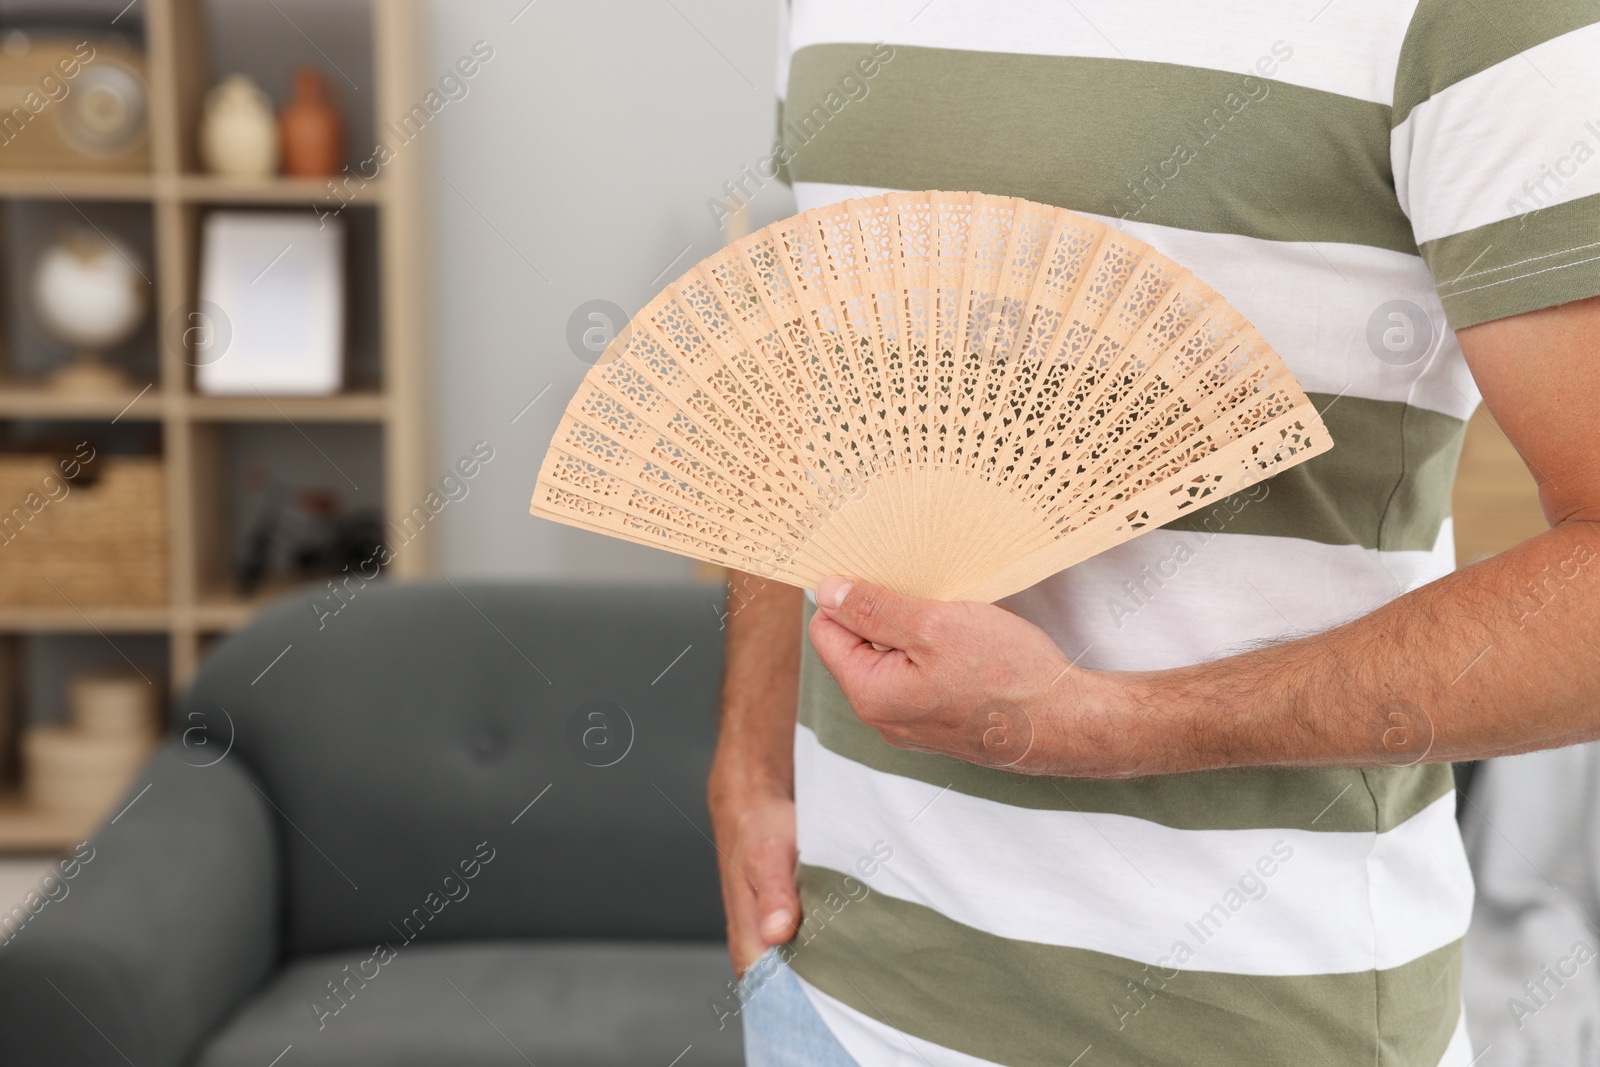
202	601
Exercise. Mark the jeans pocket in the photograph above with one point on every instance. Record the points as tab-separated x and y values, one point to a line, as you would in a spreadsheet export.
760	971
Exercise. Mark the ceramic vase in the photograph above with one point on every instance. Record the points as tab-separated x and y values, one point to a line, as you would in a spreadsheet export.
311	128
238	136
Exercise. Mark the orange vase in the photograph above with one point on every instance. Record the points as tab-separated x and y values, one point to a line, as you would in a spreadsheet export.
311	128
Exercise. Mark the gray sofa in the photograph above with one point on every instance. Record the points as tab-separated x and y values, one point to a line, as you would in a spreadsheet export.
451	824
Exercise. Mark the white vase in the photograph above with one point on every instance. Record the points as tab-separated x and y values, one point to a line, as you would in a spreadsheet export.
238	130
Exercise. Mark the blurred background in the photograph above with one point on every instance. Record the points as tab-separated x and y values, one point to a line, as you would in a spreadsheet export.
464	190
292	293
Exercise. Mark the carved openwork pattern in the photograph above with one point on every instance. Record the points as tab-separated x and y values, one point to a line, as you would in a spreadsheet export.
948	393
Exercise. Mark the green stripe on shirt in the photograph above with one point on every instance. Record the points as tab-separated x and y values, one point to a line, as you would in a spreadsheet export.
1507	267
1167	144
1385	484
1027	1004
1451	40
1333	800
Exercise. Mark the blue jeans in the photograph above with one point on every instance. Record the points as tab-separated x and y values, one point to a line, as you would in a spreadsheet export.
781	1028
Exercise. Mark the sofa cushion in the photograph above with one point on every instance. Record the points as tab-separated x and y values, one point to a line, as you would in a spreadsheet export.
554	1004
404	731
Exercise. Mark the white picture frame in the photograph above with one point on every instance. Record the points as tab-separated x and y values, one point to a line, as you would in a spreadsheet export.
272	305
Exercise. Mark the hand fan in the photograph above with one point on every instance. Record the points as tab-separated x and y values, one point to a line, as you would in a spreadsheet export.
951	395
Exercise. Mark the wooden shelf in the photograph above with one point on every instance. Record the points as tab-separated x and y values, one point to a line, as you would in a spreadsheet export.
220	610
24	829
190	188
24	401
225	614
211	189
216	610
55	185
21	400
85	618
213	611
197	431
342	407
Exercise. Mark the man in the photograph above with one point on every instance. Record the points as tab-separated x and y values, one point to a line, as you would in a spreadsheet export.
1188	802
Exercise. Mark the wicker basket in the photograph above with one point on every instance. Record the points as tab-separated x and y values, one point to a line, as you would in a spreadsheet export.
100	543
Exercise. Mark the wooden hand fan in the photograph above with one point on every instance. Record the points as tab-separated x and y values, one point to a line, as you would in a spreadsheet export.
951	395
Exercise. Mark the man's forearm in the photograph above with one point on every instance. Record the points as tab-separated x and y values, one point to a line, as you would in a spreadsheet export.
1500	657
761	679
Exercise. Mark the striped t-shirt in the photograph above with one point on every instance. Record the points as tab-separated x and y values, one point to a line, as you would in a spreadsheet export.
1358	178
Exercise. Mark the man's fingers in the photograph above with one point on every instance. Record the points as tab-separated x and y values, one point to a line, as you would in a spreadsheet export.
746	942
841	649
763	902
745	945
882	617
777	902
862	671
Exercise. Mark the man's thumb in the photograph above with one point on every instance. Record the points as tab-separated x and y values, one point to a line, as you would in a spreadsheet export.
882	617
778	907
778	927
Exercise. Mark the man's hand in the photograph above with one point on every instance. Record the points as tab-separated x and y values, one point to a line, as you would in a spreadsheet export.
973	681
756	856
1494	659
750	791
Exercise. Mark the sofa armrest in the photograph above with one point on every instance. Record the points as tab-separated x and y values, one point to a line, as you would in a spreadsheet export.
169	920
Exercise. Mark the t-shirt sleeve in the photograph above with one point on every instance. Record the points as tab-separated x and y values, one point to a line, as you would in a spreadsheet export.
1495	145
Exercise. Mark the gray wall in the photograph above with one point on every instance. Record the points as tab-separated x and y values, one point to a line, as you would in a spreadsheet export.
578	168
